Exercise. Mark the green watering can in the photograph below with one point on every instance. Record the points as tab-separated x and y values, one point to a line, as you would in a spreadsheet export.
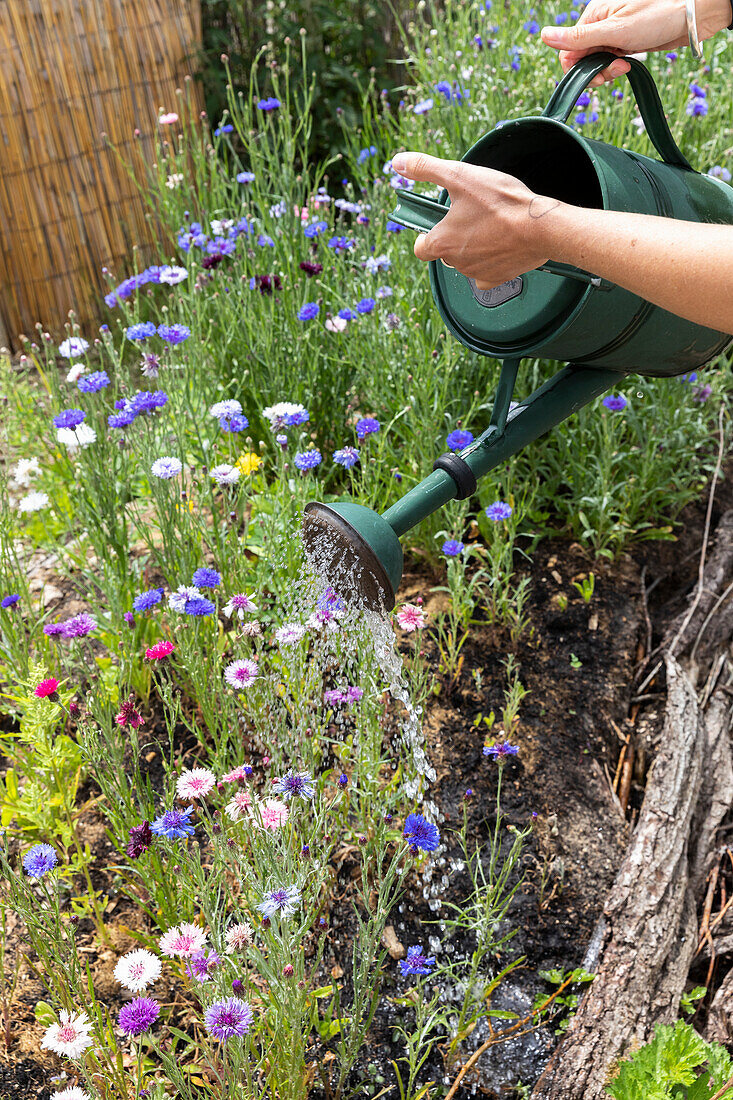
554	312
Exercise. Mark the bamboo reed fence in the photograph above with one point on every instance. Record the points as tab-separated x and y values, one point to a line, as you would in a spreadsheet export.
71	70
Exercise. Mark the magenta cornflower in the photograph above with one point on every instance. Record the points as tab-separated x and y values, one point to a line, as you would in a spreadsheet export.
47	689
158	651
141	837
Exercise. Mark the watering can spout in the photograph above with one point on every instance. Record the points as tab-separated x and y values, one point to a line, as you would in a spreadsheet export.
358	551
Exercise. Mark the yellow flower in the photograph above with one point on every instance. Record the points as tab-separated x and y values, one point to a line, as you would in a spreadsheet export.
248	463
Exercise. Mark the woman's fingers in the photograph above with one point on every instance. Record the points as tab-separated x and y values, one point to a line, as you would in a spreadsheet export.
427	169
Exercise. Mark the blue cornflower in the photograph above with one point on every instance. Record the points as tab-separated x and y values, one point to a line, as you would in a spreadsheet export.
174	334
421	833
423	106
347	314
394	227
459	439
617	94
140	331
615	402
416	962
452	548
223	130
583	100
340	244
561	18
315	229
245	177
39	860
293	419
443	86
283	900
268	104
365	426
146	401
584	117
174	824
532	26
69	418
366	305
147	600
718	172
198	606
265	241
234	423
384	292
206	578
697	91
500	751
306	460
121	419
364	154
91	383
9	601
309	311
697	107
295	784
499	511
346	456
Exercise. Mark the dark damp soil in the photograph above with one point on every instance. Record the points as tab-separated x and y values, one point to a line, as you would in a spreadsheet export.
577	662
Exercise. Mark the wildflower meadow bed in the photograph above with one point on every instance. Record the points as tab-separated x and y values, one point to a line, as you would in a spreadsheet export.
231	804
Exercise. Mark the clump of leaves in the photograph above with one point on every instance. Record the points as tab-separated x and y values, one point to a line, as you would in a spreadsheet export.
676	1059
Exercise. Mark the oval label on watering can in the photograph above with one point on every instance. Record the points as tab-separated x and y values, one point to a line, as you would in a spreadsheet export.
496	295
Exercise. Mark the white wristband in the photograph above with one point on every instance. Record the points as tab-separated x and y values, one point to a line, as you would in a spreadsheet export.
695	43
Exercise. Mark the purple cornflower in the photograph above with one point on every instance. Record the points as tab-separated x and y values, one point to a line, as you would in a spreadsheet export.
365	426
174	334
9	601
306	460
206	578
91	383
202	965
452	548
147	600
615	402
701	393
416	962
499	511
366	305
53	629
346	457
309	311
141	837
174	824
138	1016
145	401
459	439
69	418
421	833
310	268
140	331
198	606
232	1016
39	860
295	784
282	900
79	626
500	751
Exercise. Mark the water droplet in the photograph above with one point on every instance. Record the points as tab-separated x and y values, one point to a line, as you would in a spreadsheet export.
639	394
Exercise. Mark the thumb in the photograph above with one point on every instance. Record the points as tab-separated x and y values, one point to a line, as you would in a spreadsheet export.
427	169
583	36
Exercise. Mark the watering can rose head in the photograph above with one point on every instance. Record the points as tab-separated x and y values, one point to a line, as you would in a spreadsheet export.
493	230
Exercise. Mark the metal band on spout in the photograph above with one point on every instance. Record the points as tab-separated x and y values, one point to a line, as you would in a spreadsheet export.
695	43
461	473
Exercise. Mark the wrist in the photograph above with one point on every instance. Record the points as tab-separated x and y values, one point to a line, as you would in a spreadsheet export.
553	227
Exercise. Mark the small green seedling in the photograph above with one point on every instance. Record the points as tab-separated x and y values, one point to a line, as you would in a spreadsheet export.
575	662
586	587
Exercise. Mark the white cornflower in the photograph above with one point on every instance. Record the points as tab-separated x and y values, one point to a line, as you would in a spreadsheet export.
336	324
239	603
76	372
184	939
70	1037
221	226
177	600
252	629
72	1093
74	438
289	634
172	275
276	413
195	783
230	407
25	469
226	474
73	347
33	502
239	805
173	181
166	468
240	674
238	937
137	969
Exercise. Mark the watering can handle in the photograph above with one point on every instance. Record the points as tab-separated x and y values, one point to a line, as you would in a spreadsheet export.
574	82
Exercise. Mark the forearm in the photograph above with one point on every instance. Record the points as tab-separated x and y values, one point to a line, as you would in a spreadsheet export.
684	267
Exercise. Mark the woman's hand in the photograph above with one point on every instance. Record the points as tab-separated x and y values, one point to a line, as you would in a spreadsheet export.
492	231
632	26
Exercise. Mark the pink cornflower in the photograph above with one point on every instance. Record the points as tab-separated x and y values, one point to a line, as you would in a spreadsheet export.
47	688
137	969
239	804
70	1037
168	119
129	715
270	814
238	937
184	939
235	776
410	617
195	783
240	674
159	650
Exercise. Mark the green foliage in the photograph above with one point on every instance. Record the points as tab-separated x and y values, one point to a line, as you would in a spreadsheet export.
562	1008
676	1059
